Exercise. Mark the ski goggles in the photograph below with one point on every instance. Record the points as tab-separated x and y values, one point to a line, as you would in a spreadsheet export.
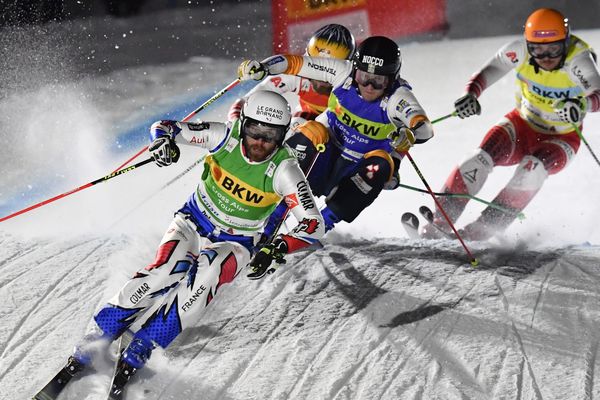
269	133
364	78
546	50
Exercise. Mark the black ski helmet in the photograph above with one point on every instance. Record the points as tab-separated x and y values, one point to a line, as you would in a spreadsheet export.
378	55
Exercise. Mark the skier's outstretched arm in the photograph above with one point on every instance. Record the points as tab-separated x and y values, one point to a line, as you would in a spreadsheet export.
290	182
506	59
584	71
166	134
278	83
329	70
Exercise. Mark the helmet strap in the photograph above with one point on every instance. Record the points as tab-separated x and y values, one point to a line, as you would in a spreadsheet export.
532	62
537	68
389	89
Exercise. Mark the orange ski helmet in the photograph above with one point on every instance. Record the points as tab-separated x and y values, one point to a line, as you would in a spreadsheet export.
546	25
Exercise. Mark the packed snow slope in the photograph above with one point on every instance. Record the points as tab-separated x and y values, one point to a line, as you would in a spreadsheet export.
372	315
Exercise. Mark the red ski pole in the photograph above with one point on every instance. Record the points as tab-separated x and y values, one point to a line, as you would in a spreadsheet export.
120	170
87	185
189	116
474	261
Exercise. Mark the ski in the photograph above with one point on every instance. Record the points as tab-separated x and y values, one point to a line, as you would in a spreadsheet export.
410	222
120	375
56	385
428	215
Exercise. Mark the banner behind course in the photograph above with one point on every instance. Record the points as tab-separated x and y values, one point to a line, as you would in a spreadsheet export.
294	21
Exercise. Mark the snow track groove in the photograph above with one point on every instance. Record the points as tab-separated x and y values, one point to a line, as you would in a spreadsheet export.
10	275
525	363
352	321
591	358
74	282
50	289
543	288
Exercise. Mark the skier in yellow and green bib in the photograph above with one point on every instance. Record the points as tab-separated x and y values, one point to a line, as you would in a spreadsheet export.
213	236
558	83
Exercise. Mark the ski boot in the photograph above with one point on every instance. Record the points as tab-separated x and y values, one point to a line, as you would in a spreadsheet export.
133	358
330	218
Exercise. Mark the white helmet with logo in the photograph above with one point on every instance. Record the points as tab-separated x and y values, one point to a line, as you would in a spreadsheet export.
265	115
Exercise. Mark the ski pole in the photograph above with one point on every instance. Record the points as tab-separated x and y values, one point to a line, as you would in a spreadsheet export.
163	187
120	170
520	215
320	149
190	115
187	118
212	99
87	185
474	261
585	142
452	114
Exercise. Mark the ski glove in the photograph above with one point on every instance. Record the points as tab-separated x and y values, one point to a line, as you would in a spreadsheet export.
402	139
569	110
260	265
164	151
252	69
467	105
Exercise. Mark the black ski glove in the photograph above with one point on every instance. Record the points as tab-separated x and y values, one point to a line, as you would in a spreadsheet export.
164	151
467	105
569	110
260	265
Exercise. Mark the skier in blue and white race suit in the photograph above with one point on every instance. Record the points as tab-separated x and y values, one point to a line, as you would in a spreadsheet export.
371	119
213	236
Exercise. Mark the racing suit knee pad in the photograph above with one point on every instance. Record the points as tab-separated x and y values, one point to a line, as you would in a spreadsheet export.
529	175
316	132
383	160
357	191
472	173
309	139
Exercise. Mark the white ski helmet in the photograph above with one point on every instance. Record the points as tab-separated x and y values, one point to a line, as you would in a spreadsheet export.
265	115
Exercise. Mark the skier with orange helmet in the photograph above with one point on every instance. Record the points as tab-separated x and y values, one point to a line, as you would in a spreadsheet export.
558	84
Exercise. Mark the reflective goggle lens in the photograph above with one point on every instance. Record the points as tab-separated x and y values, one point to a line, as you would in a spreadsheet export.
258	131
365	78
546	50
